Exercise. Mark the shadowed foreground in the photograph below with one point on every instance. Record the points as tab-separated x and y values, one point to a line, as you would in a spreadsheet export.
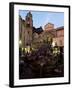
41	63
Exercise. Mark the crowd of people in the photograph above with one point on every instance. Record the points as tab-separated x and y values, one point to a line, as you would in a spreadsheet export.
41	63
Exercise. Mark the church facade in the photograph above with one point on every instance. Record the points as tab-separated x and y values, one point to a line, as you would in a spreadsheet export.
25	29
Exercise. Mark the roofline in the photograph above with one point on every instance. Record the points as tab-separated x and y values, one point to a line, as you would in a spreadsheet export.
60	28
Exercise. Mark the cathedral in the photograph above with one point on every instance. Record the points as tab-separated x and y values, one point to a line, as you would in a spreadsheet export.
35	37
28	35
25	27
40	52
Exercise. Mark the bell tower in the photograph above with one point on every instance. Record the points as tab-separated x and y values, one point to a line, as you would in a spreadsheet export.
28	20
28	29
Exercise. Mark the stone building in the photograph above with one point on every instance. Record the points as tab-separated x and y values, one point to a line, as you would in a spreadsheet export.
59	37
57	34
25	30
35	37
49	27
29	35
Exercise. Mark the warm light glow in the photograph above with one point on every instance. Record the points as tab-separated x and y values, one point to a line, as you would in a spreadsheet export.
56	50
32	48
53	44
22	49
27	49
20	42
